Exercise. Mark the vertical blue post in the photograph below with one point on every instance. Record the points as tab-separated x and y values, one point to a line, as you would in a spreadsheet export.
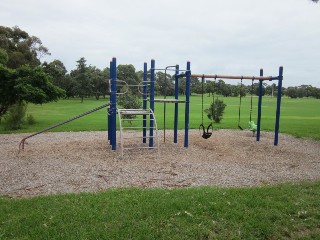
176	109
114	103
109	110
151	102
276	130
186	126
259	106
144	122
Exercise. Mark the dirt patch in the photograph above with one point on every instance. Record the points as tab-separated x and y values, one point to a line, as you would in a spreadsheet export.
66	162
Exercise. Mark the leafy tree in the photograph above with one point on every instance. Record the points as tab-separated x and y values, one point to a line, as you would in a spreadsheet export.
22	79
127	73
129	101
164	84
99	81
3	57
82	83
182	86
26	84
292	92
57	71
68	86
210	87
21	48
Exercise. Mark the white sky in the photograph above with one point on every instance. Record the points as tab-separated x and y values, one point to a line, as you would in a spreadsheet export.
217	36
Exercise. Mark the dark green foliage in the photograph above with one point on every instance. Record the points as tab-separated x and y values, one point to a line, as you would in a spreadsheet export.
21	48
35	86
82	83
7	94
129	101
15	115
21	77
216	110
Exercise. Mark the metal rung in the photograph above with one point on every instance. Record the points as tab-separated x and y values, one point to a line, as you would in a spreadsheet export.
139	137
135	112
169	100
140	119
137	127
139	147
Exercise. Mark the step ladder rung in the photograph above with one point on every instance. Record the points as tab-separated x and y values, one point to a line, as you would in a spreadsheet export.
130	148
134	112
137	127
133	137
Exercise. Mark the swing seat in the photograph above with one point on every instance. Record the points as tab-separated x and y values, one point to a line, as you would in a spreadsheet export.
252	126
206	133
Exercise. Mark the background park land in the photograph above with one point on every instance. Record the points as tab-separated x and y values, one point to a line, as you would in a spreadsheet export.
299	117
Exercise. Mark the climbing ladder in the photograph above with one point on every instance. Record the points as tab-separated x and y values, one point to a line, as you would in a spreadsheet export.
145	112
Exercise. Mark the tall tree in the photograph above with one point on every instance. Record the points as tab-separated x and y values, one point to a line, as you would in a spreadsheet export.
57	70
21	48
83	84
22	79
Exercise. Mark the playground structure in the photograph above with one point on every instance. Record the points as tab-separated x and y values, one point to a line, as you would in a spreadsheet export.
148	113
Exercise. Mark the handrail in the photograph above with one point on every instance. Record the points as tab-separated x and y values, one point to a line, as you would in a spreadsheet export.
21	144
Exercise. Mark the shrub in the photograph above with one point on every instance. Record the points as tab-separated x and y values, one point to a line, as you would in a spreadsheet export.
216	110
15	115
30	119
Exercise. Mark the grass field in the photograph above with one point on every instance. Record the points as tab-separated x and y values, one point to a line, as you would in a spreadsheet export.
299	117
287	211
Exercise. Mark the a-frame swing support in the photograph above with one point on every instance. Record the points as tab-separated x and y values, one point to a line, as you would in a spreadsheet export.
261	78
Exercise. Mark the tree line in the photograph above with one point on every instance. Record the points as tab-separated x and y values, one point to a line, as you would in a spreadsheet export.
25	79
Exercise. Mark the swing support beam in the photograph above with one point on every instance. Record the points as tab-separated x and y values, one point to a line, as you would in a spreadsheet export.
270	78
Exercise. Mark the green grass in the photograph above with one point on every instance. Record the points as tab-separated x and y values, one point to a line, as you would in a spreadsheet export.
299	117
286	211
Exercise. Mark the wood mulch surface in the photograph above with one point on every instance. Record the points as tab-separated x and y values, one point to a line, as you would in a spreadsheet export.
73	162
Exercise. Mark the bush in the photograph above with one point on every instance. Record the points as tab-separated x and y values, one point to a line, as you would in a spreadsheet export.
14	116
30	119
216	110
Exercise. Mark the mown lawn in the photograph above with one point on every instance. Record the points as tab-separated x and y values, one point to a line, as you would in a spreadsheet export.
299	117
286	211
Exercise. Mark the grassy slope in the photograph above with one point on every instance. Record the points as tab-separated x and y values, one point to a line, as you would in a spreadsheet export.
284	211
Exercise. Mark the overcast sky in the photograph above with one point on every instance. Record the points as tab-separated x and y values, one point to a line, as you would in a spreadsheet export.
218	37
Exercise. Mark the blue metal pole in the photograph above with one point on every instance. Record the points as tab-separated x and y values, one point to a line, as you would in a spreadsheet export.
276	130
151	101
109	110
259	106
176	109
186	126
144	123
114	103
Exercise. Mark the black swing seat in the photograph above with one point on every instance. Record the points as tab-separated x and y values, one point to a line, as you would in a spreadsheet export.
206	132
